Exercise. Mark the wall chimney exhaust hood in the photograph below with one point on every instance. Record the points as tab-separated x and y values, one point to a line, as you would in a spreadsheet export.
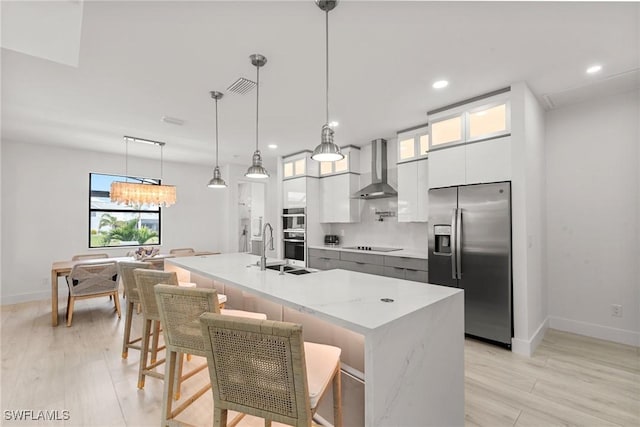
379	188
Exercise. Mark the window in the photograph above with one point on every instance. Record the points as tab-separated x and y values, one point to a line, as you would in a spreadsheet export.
111	224
488	121
288	169
407	149
446	131
299	167
342	165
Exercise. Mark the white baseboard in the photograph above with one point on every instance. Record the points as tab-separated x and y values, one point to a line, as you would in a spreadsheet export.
34	296
622	336
528	347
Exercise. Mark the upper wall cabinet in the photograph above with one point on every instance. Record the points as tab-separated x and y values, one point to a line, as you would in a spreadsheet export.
338	181
413	144
299	164
350	163
471	143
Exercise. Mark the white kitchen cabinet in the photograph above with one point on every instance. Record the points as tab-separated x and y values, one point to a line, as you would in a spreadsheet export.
295	193
471	143
489	161
413	192
336	204
481	162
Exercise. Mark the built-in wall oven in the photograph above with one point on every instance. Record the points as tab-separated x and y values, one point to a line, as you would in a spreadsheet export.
294	235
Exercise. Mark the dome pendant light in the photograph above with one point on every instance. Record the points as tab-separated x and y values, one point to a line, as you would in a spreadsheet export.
217	181
256	170
327	151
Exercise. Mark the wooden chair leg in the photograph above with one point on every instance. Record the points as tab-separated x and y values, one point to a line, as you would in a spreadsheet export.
127	330
337	399
219	417
178	377
169	377
144	352
72	300
156	339
116	299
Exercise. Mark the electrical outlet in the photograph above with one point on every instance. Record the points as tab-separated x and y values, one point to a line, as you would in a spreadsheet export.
616	310
342	233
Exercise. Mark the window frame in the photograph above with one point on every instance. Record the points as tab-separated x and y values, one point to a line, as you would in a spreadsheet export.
125	209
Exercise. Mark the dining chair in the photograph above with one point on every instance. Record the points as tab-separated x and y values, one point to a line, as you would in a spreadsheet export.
264	368
81	257
182	251
180	309
92	281
125	270
145	281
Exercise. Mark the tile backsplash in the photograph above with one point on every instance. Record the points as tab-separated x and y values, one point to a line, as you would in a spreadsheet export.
388	232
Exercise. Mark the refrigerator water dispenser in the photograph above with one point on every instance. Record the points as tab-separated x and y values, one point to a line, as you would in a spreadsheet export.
442	239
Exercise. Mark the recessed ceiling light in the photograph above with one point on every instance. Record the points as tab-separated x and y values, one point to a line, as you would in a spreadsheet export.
333	124
272	146
594	69
440	84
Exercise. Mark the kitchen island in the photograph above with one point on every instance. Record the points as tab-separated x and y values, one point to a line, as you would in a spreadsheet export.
413	333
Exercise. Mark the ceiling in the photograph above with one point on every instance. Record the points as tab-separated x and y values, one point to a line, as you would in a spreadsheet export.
120	66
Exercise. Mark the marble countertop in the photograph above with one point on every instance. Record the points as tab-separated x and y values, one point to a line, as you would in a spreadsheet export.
345	298
409	253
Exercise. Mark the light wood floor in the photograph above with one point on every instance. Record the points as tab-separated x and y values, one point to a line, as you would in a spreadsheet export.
571	380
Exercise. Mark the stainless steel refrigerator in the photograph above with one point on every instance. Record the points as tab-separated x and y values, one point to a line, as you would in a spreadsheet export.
470	248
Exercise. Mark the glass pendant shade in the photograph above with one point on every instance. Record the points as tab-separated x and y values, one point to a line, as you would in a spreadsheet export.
256	170
217	181
327	151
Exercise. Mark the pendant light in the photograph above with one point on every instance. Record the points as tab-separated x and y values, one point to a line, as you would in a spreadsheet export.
256	170
327	151
217	181
132	193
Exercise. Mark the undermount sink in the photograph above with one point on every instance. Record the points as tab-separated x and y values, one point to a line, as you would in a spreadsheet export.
288	269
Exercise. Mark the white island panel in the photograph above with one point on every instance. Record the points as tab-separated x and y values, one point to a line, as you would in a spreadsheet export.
414	346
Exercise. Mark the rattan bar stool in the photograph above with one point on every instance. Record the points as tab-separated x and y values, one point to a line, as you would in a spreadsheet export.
145	281
125	270
263	368
180	309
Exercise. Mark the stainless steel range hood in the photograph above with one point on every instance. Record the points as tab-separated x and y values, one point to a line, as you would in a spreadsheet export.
379	188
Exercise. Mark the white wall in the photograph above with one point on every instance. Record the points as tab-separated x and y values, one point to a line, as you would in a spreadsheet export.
593	192
528	220
45	215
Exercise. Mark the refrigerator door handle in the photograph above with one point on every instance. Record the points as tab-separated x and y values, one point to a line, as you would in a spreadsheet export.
454	249
459	243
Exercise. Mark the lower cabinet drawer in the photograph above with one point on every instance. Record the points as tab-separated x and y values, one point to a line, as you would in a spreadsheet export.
417	275
322	263
324	253
362	267
396	272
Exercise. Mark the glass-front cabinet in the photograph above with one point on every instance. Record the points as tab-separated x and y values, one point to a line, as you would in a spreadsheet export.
413	143
413	153
471	142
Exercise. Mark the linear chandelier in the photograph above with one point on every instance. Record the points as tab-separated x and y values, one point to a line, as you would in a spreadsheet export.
132	193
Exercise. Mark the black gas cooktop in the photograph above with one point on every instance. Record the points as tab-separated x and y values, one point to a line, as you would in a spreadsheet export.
373	248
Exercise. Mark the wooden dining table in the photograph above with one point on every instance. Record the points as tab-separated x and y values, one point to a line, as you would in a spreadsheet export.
63	268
